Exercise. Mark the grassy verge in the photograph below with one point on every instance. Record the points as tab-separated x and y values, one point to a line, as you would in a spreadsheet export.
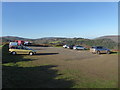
48	76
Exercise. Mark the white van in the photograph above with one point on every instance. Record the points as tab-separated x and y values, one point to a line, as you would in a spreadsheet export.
13	44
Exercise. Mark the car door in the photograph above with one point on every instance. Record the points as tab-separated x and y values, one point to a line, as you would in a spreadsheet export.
21	50
80	47
24	50
18	50
102	50
77	47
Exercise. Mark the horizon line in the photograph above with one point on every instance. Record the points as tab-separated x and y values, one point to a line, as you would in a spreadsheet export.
57	37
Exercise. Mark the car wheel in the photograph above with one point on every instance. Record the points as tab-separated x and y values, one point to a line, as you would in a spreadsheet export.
98	52
13	53
31	53
108	52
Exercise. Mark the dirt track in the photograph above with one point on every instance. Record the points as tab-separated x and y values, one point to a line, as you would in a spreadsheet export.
97	66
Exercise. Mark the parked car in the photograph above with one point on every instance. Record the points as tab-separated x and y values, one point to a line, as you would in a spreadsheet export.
99	49
79	47
70	46
65	46
21	50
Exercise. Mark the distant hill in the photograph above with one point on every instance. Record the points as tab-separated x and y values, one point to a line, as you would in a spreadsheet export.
21	38
106	41
112	37
12	38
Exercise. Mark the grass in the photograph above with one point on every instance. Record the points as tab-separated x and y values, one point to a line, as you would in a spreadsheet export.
81	81
1	45
55	42
21	71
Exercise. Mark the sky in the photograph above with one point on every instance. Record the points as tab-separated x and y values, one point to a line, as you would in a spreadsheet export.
59	19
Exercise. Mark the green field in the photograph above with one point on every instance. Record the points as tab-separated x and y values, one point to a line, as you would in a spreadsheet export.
24	71
1	45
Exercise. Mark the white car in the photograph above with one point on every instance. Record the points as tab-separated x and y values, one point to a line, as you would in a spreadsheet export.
13	44
65	46
79	48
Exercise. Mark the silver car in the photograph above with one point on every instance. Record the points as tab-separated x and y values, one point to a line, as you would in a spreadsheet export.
78	48
99	49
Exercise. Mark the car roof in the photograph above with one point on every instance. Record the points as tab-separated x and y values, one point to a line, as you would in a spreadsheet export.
96	46
78	46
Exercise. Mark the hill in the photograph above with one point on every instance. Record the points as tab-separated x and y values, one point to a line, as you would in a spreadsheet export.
106	41
12	38
112	37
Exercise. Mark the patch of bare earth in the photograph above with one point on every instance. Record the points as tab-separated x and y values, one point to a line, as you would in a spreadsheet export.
91	65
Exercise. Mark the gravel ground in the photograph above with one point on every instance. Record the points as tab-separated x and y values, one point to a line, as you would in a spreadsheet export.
100	66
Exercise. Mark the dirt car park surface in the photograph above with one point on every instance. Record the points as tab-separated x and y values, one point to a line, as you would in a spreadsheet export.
102	66
56	67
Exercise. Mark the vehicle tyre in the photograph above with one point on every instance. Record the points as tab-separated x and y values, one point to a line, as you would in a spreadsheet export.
13	53
108	52
98	52
31	53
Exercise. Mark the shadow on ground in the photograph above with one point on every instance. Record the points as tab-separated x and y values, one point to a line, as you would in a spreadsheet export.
114	53
7	57
46	53
110	53
33	77
30	77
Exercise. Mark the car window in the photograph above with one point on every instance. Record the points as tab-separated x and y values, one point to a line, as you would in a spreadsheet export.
27	48
22	48
18	47
99	47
